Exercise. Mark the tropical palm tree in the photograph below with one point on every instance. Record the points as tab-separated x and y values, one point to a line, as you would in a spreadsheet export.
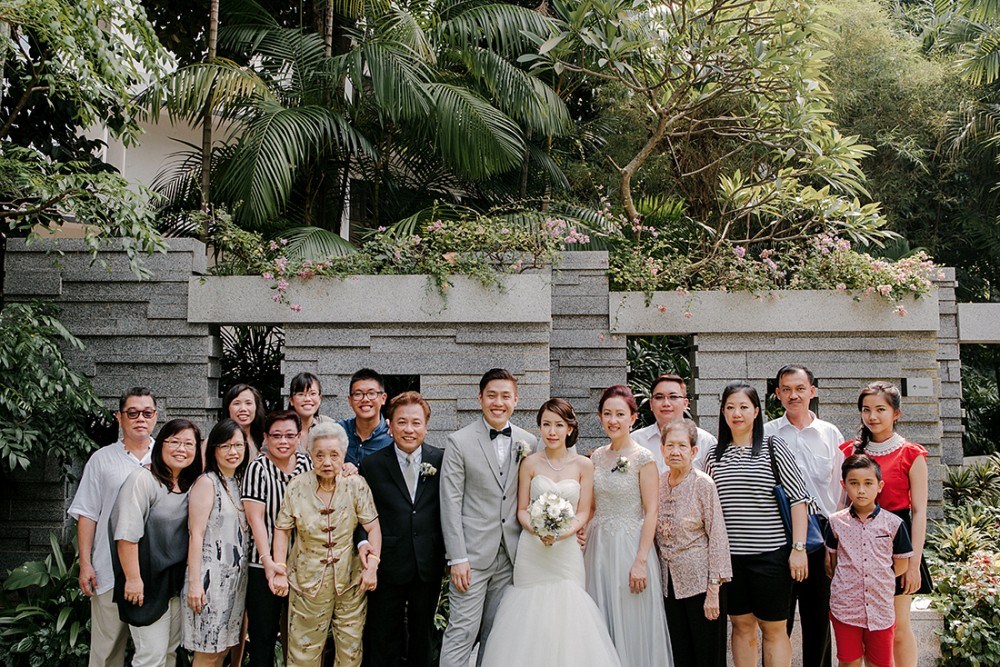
427	103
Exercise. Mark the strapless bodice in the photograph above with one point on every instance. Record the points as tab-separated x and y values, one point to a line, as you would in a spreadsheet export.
566	488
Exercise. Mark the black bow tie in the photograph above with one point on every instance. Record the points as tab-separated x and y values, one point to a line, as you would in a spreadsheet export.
504	431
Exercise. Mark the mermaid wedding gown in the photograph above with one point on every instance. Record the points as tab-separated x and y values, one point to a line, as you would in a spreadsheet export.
547	618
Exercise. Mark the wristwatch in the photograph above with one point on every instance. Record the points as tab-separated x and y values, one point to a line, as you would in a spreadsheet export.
799	546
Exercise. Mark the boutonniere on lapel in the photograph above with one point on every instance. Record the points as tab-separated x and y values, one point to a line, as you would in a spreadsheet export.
521	449
621	465
427	470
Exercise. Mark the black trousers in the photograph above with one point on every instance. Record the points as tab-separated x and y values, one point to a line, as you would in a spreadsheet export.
400	624
695	640
264	610
813	598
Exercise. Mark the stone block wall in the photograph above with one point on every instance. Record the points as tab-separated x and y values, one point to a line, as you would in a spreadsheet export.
949	370
135	333
586	357
449	359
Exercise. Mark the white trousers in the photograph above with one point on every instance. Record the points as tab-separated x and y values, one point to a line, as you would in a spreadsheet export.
107	632
156	644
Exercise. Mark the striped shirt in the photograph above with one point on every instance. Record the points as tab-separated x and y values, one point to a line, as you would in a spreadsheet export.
265	483
746	490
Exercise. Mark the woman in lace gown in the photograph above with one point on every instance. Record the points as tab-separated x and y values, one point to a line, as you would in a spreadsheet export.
623	573
546	617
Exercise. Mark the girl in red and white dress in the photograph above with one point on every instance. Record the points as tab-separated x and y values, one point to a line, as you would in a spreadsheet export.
904	471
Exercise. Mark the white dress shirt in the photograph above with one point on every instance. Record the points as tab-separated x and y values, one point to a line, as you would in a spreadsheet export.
415	460
817	454
103	476
649	437
501	443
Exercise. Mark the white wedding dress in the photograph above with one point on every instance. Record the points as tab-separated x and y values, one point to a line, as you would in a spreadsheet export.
547	618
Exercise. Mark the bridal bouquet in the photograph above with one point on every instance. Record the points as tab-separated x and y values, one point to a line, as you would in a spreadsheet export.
551	514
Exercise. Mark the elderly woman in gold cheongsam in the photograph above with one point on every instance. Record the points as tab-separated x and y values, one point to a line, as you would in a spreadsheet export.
327	579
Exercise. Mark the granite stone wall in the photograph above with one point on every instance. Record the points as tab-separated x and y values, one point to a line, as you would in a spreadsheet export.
135	333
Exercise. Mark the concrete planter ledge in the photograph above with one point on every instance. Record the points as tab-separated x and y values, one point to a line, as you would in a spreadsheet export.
784	311
234	300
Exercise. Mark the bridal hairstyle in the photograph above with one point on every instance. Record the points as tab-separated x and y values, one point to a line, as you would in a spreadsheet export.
496	374
618	391
689	428
222	433
726	433
257	425
160	471
565	411
893	397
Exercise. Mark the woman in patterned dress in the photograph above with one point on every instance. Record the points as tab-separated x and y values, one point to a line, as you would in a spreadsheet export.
216	583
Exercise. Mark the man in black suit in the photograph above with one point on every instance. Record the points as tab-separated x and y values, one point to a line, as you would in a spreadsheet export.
404	482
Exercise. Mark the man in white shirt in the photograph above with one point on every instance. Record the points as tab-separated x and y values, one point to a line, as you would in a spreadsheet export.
669	402
816	447
103	476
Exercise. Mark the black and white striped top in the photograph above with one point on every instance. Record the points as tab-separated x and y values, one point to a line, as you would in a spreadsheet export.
745	486
265	483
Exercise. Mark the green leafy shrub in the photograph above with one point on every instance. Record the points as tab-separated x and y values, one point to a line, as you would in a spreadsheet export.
45	618
44	404
964	558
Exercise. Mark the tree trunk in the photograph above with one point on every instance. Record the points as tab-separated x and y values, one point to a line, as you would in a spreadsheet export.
629	170
206	127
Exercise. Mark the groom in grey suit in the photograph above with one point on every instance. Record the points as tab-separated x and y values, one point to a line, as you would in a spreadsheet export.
478	489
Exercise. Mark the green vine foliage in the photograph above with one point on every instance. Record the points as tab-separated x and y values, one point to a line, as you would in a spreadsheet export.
44	617
44	404
965	560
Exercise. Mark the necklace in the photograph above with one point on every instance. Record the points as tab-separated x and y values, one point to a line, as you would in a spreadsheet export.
887	446
225	485
566	463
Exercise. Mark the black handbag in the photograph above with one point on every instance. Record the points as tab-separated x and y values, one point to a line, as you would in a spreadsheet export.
814	533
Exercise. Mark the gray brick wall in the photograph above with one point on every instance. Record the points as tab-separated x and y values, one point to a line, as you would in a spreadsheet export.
586	357
136	333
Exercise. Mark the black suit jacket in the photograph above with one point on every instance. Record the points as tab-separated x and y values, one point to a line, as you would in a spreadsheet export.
412	541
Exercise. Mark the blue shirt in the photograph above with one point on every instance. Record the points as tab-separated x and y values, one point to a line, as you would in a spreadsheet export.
357	448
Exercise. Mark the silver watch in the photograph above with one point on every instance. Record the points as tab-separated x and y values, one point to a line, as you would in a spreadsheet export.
799	546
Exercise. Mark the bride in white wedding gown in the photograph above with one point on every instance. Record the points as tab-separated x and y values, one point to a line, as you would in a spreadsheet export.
547	617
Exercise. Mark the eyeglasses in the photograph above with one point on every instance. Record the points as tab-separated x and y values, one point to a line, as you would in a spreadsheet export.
371	394
133	414
282	436
231	446
180	444
673	398
306	394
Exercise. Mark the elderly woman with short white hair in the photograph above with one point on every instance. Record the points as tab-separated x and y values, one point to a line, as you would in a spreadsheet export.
326	578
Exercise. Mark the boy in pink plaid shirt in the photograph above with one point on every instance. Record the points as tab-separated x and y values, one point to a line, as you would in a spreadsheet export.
867	548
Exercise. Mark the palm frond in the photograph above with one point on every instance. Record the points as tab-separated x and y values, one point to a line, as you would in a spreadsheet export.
411	224
473	136
549	167
980	62
273	146
981	10
185	93
502	27
315	243
393	75
520	95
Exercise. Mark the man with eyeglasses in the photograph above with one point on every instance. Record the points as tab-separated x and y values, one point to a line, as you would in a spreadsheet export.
367	430
103	477
669	402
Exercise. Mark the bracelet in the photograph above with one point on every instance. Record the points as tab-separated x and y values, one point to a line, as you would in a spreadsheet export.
714	582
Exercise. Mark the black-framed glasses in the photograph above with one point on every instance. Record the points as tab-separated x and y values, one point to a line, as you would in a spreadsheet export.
133	413
231	446
371	394
283	436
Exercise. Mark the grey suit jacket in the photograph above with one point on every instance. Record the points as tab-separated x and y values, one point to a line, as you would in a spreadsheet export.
478	499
